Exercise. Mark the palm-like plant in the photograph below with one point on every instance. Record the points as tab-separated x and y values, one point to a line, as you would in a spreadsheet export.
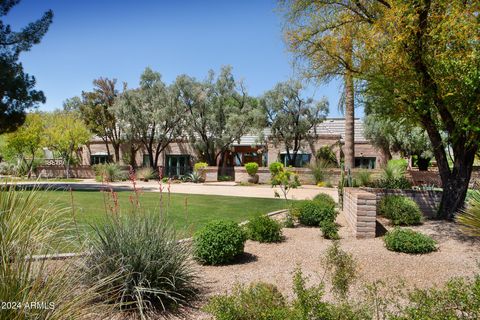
469	218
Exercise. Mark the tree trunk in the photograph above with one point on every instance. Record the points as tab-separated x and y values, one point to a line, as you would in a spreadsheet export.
422	163
116	149
349	122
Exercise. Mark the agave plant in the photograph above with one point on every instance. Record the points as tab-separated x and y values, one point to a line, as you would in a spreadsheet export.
469	218
194	177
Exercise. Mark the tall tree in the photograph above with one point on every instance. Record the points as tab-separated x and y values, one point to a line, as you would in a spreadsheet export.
425	58
325	35
17	92
96	111
292	119
27	140
217	113
65	134
150	114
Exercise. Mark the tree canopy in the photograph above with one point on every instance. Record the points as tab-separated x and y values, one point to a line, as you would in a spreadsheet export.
291	118
17	88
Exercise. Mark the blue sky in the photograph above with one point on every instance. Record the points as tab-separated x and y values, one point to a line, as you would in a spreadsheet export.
118	39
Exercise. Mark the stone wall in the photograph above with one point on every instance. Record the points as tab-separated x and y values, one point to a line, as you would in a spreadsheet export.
359	208
81	172
211	174
427	200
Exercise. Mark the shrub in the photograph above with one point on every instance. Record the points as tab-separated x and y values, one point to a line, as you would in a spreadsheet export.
252	168
363	178
156	272
409	241
264	229
275	167
145	174
200	166
393	176
319	170
30	225
109	172
392	183
260	301
327	155
342	268
218	242
401	211
324	198
7	168
329	230
312	213
469	218
225	178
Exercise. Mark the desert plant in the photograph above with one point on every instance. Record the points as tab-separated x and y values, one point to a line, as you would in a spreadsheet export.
342	268
283	178
409	241
324	198
218	242
260	301
312	213
156	272
289	220
393	176
108	172
319	170
326	154
329	230
252	168
194	177
200	166
401	211
469	219
363	178
145	174
7	168
29	225
264	229
225	178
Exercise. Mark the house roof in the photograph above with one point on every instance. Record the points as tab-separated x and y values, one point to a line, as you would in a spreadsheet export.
330	126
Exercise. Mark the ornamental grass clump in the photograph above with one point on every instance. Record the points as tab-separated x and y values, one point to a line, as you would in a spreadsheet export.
30	225
264	229
401	211
156	273
409	241
219	242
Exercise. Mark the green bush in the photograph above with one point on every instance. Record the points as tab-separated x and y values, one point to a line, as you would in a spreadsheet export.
312	213
264	229
275	167
252	168
342	269
225	178
393	176
409	241
401	211
327	155
156	271
109	172
259	301
363	178
218	242
329	230
392	183
145	174
324	198
199	166
320	170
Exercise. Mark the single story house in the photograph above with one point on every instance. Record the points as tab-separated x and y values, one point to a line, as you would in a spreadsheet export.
179	157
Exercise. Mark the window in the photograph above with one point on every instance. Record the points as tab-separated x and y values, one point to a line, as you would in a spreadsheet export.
146	160
177	165
365	162
301	160
100	158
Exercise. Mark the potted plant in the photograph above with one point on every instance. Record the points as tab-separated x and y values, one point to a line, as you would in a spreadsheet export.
252	169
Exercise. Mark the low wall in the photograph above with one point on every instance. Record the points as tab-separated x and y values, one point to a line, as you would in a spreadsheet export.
304	175
427	200
80	172
432	178
211	174
359	208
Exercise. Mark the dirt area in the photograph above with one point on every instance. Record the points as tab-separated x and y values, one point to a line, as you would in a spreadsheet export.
304	247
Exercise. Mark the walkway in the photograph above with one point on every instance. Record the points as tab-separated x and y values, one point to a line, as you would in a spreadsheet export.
214	188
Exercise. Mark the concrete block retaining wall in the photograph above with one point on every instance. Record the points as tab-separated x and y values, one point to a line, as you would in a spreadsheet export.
427	200
211	174
359	208
304	175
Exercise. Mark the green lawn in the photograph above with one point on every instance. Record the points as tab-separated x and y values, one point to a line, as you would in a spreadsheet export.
186	212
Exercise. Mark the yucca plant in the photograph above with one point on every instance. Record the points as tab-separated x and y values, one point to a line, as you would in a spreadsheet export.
156	271
194	177
469	218
39	290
